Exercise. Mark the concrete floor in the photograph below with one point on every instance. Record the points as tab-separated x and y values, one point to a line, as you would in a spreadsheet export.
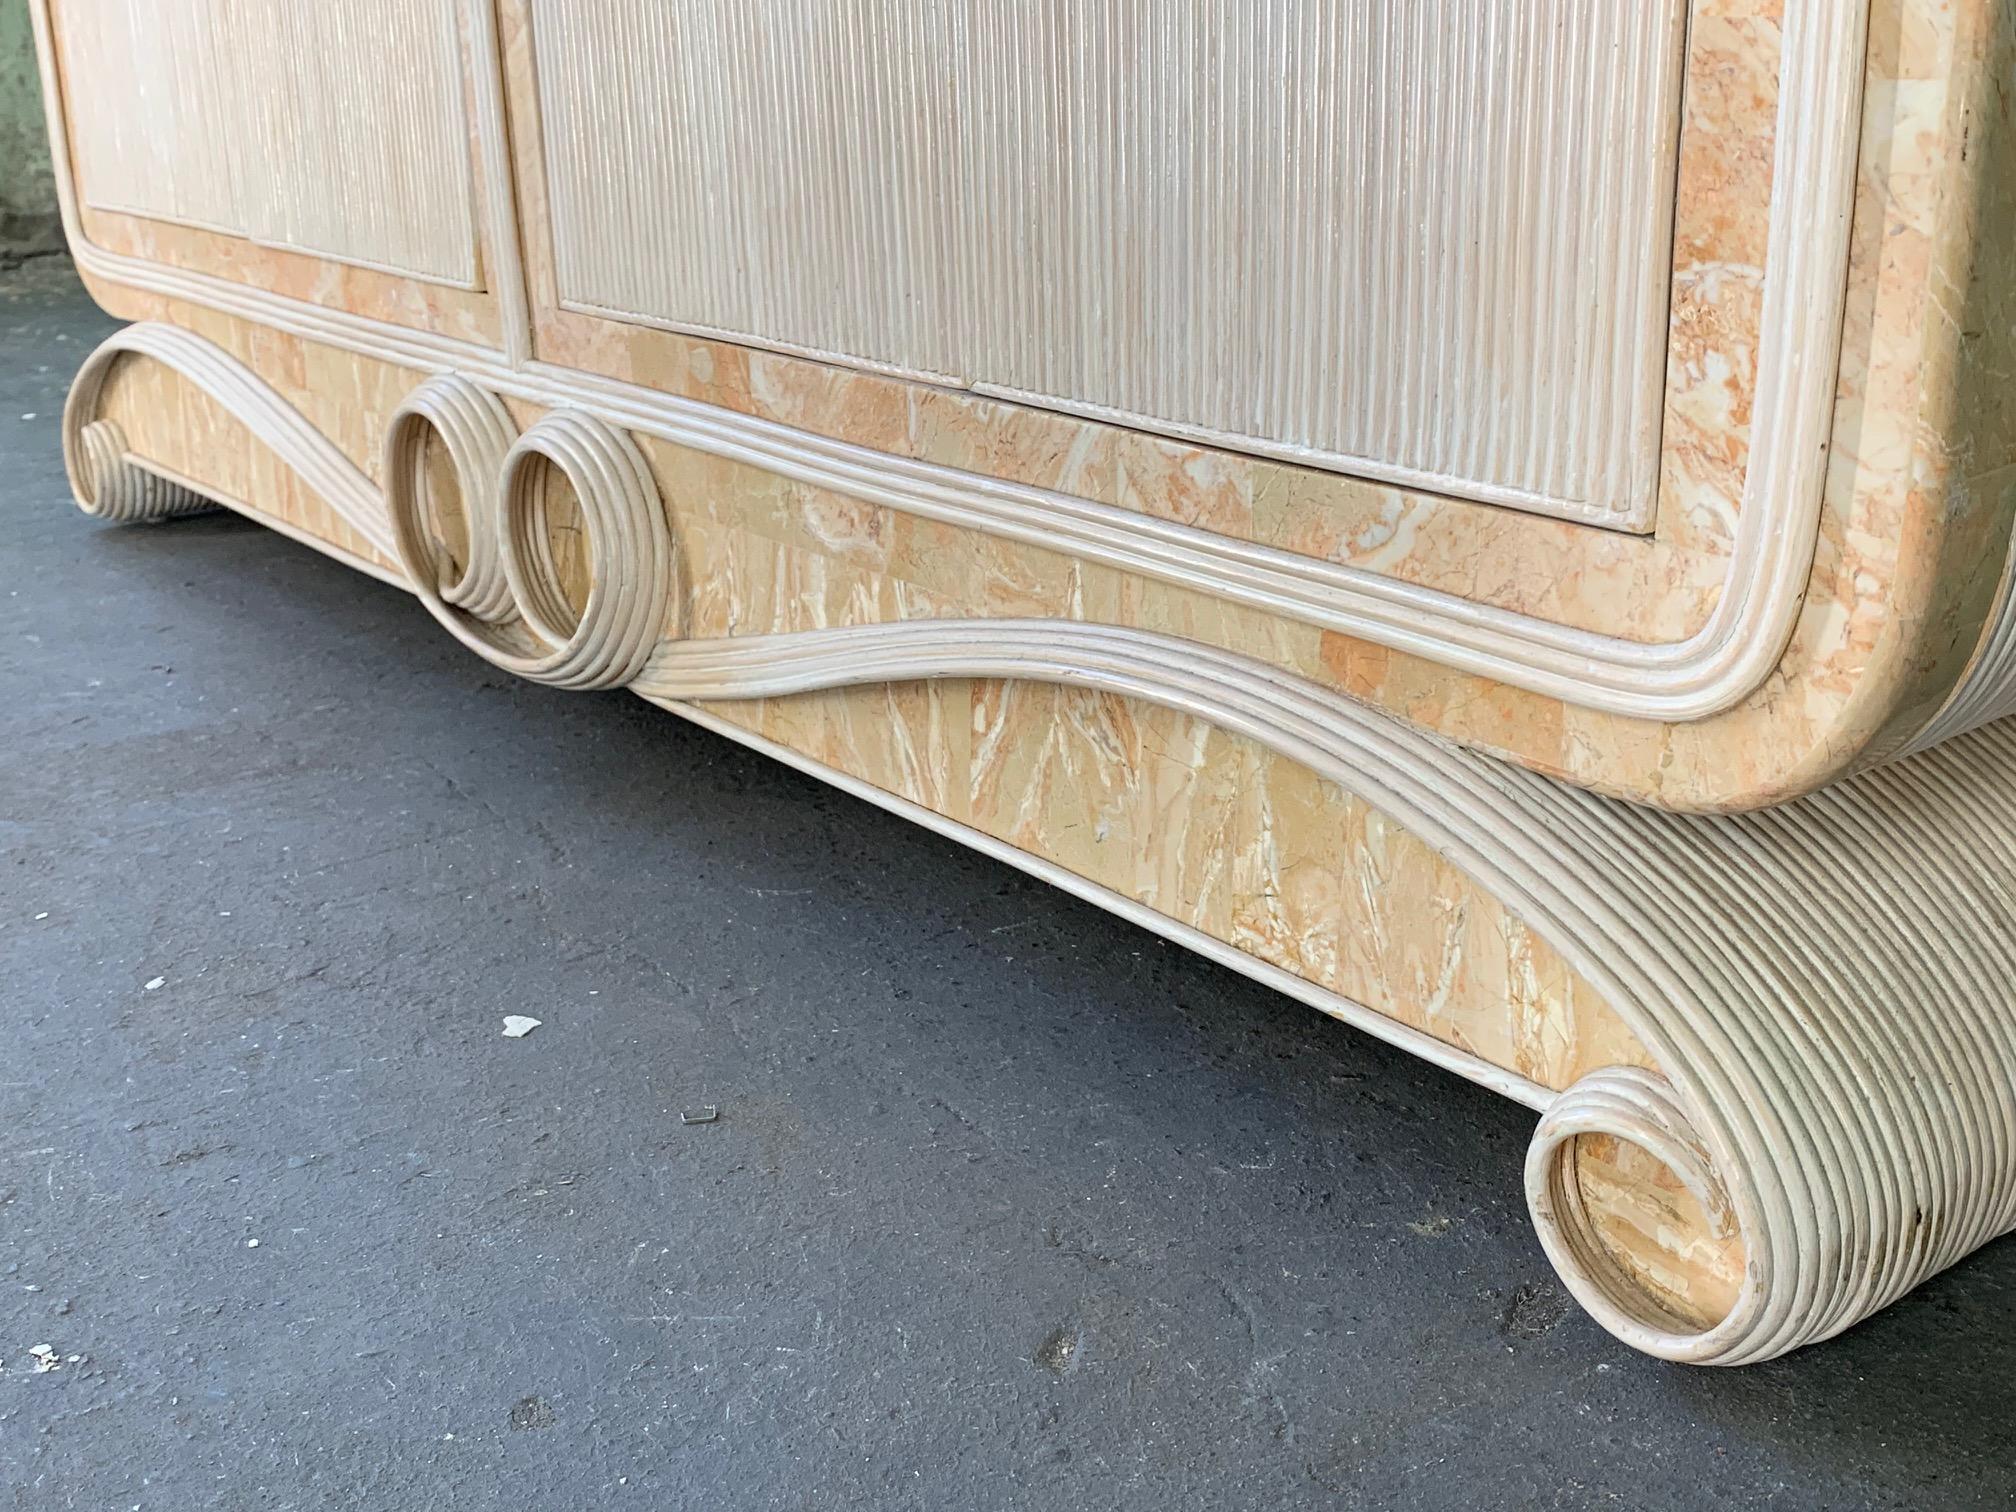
1008	1204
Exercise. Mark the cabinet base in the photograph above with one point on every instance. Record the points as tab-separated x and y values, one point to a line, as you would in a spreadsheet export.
1795	1095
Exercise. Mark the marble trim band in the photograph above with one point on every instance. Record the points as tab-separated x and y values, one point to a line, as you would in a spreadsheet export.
1822	45
1823	985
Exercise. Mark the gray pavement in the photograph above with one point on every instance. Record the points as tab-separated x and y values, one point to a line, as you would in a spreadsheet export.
1008	1204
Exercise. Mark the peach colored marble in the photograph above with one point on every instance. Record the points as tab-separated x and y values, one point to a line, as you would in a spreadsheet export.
1689	1260
176	425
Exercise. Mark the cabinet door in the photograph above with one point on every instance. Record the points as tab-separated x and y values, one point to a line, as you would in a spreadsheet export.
332	129
1424	243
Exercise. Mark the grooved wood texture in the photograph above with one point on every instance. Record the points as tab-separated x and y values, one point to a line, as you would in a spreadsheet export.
336	129
1424	243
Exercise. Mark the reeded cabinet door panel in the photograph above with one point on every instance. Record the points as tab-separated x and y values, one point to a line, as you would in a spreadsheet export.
336	130
1422	243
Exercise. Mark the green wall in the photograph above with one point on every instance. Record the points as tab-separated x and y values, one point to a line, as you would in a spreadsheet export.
28	220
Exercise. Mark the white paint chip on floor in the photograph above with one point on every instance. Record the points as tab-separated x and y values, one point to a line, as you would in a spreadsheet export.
517	1026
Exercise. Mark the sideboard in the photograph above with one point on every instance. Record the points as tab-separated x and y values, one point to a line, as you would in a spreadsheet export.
1494	519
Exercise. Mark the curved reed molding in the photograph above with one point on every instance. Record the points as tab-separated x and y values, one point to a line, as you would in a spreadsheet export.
1633	1105
1823	987
318	461
110	485
500	587
605	639
449	418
